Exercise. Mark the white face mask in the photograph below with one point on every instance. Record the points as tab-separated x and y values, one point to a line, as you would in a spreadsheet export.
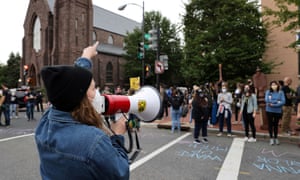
224	90
97	102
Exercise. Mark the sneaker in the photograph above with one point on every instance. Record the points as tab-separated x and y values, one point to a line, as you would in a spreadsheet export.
219	134
251	139
277	141
271	142
197	141
246	139
205	140
229	134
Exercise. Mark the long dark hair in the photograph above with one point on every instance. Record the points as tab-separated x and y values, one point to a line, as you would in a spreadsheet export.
201	101
278	86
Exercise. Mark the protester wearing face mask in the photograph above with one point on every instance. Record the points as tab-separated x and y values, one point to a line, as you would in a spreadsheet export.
72	139
224	110
200	115
248	112
274	99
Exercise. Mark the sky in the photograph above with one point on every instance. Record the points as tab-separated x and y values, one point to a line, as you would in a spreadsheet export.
13	12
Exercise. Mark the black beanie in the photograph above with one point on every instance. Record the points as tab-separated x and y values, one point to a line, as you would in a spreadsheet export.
66	85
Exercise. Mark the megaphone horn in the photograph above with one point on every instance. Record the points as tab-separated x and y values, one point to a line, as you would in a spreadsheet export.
145	104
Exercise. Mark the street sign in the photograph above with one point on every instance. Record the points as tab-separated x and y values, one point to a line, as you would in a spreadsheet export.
164	59
159	67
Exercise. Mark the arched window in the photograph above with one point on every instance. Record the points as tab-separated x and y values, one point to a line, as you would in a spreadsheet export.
110	40
109	73
37	34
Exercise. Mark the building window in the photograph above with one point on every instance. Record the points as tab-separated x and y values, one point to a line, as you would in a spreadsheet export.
109	73
110	40
76	24
82	17
94	36
37	34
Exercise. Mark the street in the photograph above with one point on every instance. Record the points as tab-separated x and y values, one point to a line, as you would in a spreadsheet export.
166	155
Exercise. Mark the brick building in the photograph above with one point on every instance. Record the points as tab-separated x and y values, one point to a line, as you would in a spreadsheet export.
277	51
56	31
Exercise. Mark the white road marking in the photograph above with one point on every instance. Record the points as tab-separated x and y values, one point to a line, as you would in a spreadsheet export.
231	165
16	137
156	152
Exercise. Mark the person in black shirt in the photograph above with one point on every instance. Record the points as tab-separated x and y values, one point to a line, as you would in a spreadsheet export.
30	103
39	102
176	101
4	103
287	107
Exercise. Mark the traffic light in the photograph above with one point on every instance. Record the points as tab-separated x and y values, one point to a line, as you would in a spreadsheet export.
152	37
147	70
25	70
141	53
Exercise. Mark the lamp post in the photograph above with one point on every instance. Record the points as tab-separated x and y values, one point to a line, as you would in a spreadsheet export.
143	31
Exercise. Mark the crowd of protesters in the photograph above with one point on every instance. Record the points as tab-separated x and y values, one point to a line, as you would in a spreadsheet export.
217	103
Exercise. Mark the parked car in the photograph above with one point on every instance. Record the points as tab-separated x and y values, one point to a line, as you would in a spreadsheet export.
20	93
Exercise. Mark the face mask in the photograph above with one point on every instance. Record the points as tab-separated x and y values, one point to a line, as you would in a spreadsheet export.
201	95
246	89
274	88
97	102
224	90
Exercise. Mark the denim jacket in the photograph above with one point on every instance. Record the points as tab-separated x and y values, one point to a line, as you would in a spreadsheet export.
251	105
276	100
69	149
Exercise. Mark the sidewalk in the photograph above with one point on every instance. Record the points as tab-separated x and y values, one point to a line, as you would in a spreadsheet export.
237	129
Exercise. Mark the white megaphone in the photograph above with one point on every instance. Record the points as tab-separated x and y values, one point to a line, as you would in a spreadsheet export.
145	104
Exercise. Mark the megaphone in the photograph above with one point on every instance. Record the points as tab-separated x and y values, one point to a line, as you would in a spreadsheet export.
145	104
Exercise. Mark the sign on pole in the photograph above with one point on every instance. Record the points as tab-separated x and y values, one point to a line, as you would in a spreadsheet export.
159	67
135	83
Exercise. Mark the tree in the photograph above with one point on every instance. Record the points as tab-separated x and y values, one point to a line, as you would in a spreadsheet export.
133	66
285	15
216	32
10	73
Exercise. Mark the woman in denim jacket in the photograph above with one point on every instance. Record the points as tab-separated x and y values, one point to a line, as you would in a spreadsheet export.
72	140
248	112
274	99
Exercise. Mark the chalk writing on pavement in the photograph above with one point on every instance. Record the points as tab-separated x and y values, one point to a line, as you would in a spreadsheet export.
203	152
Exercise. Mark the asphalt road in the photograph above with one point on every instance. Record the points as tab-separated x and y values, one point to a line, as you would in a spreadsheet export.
166	156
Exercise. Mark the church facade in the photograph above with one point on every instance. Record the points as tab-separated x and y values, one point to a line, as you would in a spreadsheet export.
56	32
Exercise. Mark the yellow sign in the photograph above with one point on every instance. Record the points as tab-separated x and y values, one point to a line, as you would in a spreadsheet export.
135	83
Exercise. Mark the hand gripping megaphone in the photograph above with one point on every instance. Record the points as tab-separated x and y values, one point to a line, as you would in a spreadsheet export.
145	104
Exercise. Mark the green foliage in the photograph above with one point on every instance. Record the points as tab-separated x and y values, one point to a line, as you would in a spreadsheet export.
133	66
222	32
10	73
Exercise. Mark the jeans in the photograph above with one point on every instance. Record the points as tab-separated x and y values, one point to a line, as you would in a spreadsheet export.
175	116
200	125
30	110
273	120
227	119
6	111
13	110
249	120
214	112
